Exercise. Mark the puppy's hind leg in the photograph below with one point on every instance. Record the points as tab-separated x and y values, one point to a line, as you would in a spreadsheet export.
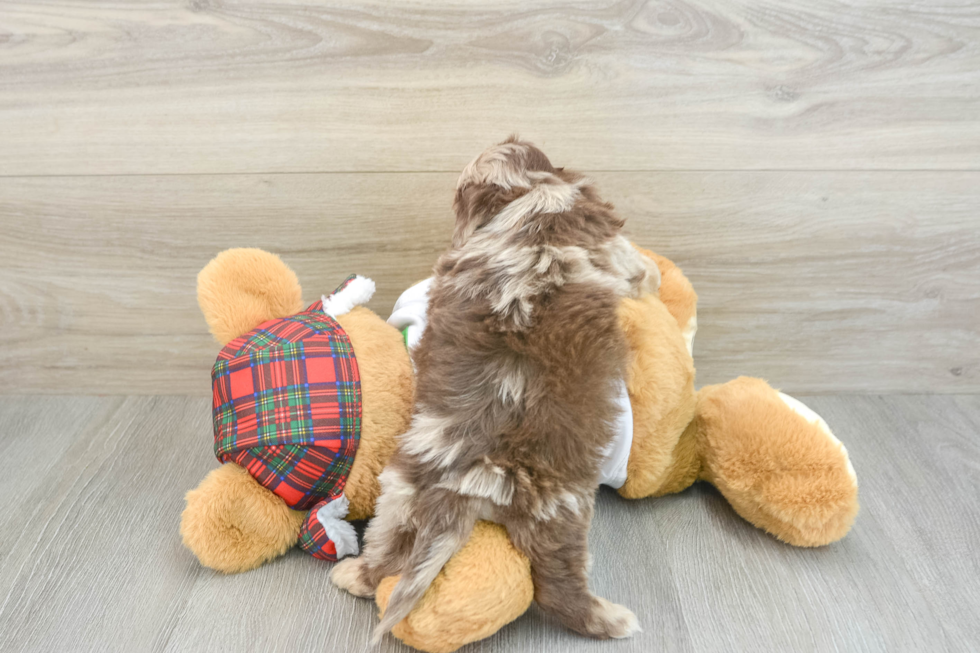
558	551
388	540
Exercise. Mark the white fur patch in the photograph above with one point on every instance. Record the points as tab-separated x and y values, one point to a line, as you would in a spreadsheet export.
358	291
425	440
443	547
394	508
484	481
548	507
629	264
570	501
511	386
446	456
394	484
618	620
520	273
556	197
621	268
809	415
496	166
395	501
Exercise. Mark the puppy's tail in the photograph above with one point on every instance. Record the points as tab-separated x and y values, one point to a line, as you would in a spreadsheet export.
440	537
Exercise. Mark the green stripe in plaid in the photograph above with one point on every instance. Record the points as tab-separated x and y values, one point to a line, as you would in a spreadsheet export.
287	405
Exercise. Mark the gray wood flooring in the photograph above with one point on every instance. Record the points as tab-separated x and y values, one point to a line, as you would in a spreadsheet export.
90	557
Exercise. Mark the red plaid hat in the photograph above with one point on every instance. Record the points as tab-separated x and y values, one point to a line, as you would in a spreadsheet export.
287	405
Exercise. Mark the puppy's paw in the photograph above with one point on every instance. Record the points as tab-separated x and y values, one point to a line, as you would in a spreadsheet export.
611	621
348	575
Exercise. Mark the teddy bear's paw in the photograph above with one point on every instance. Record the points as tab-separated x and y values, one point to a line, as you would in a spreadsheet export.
611	621
348	575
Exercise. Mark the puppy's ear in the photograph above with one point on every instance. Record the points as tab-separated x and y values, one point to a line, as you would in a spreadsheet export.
476	205
467	219
537	161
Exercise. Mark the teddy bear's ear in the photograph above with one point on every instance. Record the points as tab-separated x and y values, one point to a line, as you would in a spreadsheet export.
242	288
677	294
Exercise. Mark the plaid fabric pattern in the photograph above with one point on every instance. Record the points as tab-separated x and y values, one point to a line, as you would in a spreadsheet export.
313	539
287	405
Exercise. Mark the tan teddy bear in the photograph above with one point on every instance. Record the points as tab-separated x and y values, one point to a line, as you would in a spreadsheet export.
307	407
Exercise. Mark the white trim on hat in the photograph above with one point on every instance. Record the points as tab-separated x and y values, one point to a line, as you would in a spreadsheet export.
358	291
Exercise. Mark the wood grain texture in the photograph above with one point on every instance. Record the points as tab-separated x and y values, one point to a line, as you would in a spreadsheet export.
217	86
97	563
92	567
819	282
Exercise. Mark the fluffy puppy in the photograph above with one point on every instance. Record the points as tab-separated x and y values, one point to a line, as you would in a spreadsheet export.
516	383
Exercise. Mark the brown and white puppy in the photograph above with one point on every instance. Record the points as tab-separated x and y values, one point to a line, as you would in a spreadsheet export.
517	373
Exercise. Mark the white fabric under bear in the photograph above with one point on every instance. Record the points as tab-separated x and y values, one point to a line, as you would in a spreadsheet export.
617	454
409	317
409	314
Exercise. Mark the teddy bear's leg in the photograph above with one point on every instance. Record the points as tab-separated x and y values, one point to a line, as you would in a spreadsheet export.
776	462
233	524
485	586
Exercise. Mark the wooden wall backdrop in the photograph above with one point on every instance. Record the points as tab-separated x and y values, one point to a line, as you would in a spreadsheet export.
814	166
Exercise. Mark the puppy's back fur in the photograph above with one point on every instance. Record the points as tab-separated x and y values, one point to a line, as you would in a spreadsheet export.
516	381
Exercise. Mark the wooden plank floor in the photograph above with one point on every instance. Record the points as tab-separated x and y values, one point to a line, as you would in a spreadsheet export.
90	557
